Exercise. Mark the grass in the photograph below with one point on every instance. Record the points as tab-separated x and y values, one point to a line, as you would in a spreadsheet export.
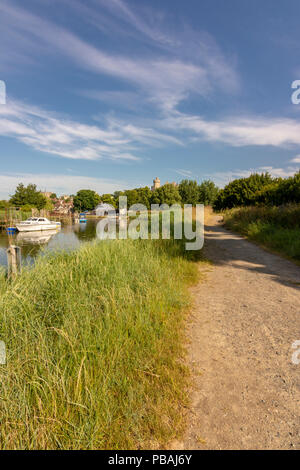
94	347
276	228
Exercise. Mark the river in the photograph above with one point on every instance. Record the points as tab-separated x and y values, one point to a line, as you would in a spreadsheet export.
34	244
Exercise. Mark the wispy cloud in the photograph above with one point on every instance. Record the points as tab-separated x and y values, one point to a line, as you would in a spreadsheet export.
165	78
118	13
59	183
296	159
238	132
181	63
58	135
185	173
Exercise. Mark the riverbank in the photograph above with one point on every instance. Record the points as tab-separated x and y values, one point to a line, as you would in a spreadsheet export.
275	228
94	347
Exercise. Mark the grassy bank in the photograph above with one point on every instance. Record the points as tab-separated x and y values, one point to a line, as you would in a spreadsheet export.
94	347
277	228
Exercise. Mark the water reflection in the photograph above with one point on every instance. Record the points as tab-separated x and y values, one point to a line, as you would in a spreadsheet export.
34	238
35	243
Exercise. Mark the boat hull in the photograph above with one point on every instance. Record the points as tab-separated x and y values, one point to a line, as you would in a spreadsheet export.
37	228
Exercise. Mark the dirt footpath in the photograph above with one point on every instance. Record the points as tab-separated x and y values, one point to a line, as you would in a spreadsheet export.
245	318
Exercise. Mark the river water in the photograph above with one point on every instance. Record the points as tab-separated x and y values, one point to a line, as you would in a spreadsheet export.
34	244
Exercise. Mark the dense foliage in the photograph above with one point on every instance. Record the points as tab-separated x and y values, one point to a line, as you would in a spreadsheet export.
274	227
208	192
28	196
192	193
187	192
259	189
86	200
166	194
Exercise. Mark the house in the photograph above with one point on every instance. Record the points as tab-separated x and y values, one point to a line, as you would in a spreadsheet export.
63	207
47	194
104	209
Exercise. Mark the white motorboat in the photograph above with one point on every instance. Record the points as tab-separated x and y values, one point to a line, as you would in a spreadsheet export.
35	224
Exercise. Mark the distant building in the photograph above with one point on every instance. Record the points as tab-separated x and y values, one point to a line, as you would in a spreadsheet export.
156	184
62	207
104	209
47	194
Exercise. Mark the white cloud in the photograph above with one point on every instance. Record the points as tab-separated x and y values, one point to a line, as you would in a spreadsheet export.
296	159
147	27
185	173
238	132
181	63
54	134
58	183
166	79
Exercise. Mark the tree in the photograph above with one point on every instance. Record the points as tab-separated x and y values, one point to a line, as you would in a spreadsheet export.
166	194
132	196
108	199
49	205
138	196
53	196
28	195
144	196
4	204
189	192
207	192
86	200
288	190
242	192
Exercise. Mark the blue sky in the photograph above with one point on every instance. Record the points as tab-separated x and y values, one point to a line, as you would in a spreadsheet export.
108	94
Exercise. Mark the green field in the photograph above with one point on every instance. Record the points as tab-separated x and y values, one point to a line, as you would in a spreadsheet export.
276	228
94	347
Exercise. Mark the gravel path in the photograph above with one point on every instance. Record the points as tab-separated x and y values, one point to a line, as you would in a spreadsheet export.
246	316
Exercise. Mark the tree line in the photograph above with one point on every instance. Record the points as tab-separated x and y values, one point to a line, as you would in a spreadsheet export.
186	192
259	189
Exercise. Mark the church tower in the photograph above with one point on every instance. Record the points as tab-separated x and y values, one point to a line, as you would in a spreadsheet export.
156	184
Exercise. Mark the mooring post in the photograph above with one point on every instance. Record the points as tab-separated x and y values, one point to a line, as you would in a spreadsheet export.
13	260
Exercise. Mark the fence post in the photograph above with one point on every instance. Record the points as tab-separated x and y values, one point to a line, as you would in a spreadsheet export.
13	260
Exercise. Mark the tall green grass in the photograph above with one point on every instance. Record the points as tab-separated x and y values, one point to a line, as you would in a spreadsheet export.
277	228
94	347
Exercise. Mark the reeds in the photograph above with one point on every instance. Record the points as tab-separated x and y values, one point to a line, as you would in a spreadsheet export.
94	343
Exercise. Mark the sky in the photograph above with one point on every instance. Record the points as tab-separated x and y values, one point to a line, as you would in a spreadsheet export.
108	94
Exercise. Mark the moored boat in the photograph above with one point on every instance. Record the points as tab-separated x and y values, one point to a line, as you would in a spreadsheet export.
34	224
82	218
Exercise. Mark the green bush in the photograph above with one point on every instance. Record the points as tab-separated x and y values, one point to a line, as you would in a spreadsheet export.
277	228
259	189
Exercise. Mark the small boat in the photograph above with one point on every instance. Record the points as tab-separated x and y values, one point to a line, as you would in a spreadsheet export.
34	224
11	230
82	218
